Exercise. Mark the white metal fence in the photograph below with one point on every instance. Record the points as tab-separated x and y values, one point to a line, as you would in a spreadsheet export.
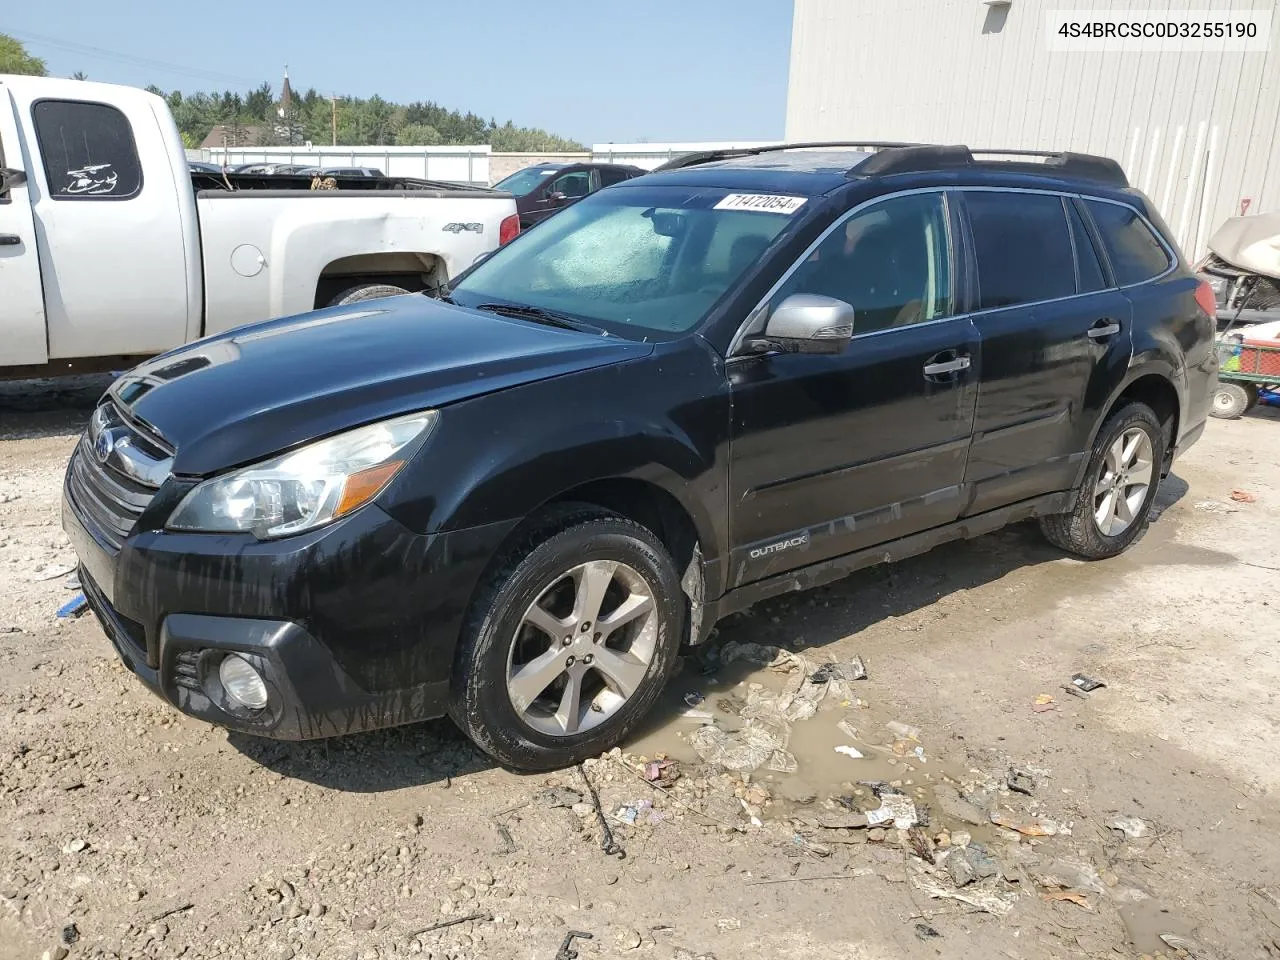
466	165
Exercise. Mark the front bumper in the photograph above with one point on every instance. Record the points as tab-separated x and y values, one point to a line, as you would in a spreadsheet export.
353	626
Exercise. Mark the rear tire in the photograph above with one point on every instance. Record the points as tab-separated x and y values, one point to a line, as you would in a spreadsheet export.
542	679
366	291
1231	400
1114	502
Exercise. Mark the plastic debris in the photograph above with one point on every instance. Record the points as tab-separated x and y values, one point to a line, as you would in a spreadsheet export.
919	754
848	670
1033	827
627	814
53	573
1131	827
1244	496
849	752
662	772
693	699
1019	781
996	902
1086	683
903	730
700	715
895	807
848	729
1069	876
759	654
73	607
72	582
1044	703
757	744
1189	947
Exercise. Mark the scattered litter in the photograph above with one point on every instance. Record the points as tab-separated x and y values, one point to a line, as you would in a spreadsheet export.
557	797
759	654
1086	683
1193	950
1044	703
810	847
700	715
74	846
72	582
849	670
1069	876
926	932
1033	827
996	902
921	845
1069	688
1019	781
849	752
895	807
693	699
969	863
73	607
450	923
53	573
608	844
1131	827
627	815
70	934
755	820
1243	496
662	772
1071	895
903	730
848	729
919	752
566	951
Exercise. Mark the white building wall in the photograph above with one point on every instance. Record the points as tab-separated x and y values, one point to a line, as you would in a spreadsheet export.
650	155
1196	131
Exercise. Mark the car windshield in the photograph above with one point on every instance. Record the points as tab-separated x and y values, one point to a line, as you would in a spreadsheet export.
641	262
526	180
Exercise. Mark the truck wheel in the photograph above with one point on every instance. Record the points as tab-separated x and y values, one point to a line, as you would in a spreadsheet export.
1119	487
571	642
1231	400
366	291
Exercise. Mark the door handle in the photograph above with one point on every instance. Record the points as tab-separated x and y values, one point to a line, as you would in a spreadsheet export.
1103	329
946	366
10	240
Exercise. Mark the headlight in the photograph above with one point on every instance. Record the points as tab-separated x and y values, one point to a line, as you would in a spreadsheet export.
306	488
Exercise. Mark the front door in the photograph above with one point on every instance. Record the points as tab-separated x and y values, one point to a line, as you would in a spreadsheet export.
1056	341
109	207
832	454
563	190
22	323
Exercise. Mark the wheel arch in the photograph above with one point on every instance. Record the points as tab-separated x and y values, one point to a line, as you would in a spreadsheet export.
1153	387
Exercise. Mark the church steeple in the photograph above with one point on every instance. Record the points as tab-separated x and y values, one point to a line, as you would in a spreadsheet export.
286	94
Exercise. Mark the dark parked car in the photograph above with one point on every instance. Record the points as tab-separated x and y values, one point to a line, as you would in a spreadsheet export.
725	381
548	188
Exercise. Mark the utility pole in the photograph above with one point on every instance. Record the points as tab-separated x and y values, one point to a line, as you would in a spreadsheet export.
333	101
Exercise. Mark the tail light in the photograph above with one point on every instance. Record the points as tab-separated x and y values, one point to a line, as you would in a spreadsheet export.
1204	296
509	230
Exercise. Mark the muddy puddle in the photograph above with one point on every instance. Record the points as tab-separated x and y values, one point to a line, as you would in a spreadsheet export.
835	752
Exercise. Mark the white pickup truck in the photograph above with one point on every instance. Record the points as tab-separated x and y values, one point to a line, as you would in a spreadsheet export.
112	250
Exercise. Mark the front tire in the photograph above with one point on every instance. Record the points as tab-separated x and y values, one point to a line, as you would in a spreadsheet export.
571	642
1119	488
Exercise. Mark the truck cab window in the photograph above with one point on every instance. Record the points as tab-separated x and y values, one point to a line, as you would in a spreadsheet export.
89	151
572	185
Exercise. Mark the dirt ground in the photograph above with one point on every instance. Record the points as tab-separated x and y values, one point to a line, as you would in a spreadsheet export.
128	830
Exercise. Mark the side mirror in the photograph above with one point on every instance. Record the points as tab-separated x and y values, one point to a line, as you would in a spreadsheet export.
806	323
557	197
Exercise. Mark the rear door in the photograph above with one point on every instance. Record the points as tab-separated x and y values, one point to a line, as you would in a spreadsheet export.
1056	341
113	253
832	454
22	320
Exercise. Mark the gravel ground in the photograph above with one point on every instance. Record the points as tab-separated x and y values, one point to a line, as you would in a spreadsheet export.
128	830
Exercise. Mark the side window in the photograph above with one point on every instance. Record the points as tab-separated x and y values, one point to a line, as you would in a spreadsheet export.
1087	263
572	184
88	150
1023	250
609	177
890	261
1135	253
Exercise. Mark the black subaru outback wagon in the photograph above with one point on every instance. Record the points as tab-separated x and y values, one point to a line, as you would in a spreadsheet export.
745	374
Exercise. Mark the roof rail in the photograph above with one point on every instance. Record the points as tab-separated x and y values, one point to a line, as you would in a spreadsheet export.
916	159
710	156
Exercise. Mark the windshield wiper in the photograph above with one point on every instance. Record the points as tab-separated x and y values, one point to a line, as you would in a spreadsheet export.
539	315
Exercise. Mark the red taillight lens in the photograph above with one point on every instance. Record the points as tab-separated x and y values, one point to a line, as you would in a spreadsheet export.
1204	296
509	230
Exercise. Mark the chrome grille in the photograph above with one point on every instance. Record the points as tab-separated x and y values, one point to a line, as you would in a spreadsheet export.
114	473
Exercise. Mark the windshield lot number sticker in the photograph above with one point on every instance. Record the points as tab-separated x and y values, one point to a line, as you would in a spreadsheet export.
761	203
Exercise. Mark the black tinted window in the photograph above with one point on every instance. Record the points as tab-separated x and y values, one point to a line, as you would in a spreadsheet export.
1086	256
1135	253
889	261
1022	247
88	150
573	184
609	177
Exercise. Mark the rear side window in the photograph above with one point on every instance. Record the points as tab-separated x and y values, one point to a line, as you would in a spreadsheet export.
1090	268
88	149
609	177
1135	253
1022	247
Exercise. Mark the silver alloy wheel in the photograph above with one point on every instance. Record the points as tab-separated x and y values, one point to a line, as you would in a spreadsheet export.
1126	477
583	648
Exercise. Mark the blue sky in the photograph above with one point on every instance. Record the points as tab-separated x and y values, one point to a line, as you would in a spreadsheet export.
596	71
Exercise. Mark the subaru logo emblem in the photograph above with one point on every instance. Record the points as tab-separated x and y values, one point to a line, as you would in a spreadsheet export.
103	445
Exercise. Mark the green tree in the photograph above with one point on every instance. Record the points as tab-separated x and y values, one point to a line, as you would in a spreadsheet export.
79	75
418	135
15	59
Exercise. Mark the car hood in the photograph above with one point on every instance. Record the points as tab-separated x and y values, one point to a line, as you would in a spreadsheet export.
259	389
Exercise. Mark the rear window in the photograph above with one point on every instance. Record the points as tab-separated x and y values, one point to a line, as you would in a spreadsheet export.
1022	246
88	149
1136	254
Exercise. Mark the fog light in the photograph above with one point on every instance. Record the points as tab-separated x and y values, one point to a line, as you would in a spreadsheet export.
242	683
